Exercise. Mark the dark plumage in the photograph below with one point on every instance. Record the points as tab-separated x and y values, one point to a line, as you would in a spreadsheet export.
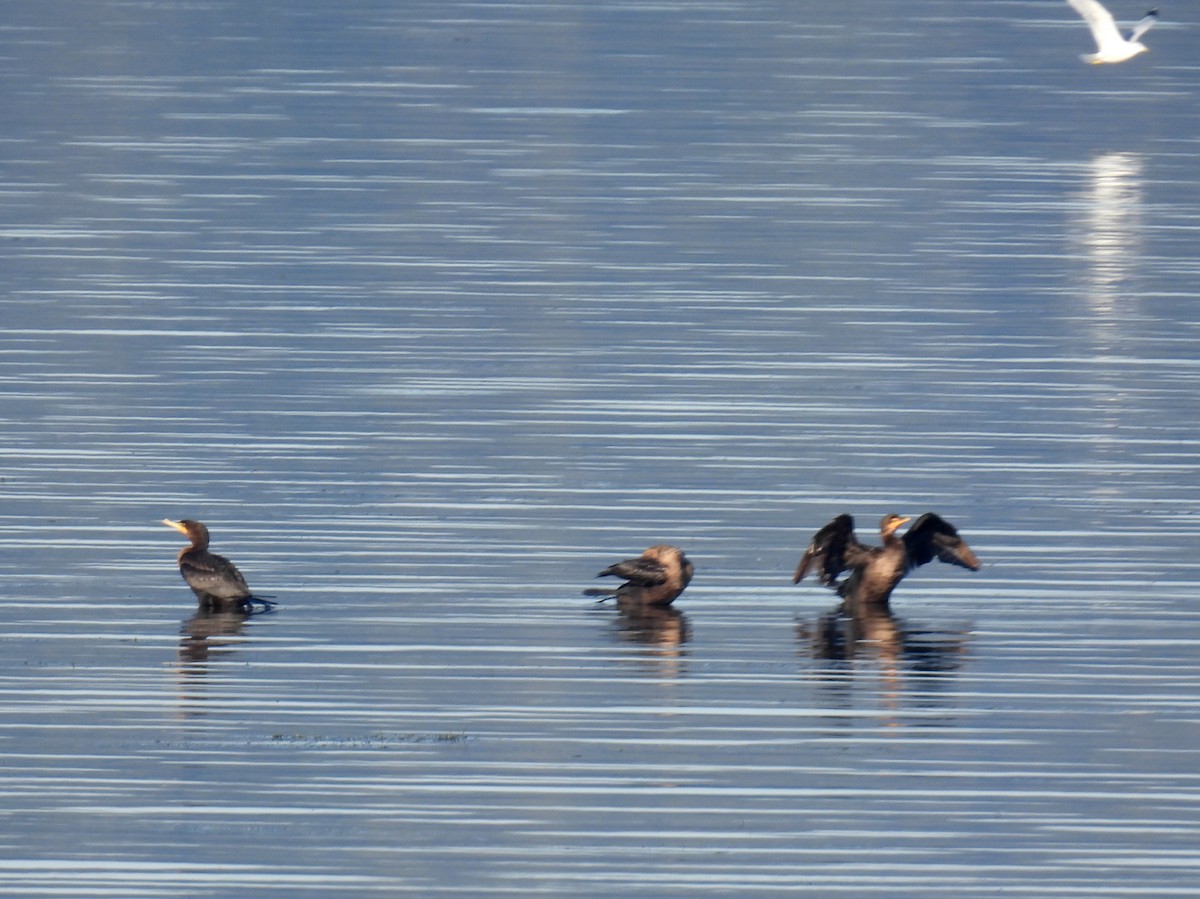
217	583
876	570
654	578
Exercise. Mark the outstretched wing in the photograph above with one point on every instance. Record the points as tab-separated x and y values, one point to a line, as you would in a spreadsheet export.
1144	25
930	536
1100	21
833	549
641	571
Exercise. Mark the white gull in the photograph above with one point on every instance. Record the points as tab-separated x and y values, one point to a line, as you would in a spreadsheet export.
1110	45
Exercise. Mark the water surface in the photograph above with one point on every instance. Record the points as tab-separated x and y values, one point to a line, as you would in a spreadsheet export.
432	312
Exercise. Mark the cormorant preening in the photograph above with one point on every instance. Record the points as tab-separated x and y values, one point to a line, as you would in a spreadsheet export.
655	578
217	583
876	570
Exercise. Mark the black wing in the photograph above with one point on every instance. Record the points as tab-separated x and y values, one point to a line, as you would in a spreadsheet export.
932	536
833	549
641	571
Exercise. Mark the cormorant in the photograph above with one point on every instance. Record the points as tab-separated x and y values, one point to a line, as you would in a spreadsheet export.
876	570
217	583
655	578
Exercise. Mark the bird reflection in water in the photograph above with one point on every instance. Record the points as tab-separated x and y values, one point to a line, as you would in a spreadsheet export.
665	629
660	635
878	634
209	636
910	663
206	640
1111	232
1109	235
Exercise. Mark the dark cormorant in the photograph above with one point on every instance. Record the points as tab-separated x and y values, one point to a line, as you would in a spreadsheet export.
876	570
217	583
655	578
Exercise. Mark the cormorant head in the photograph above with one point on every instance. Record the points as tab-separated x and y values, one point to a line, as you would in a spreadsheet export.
193	530
890	523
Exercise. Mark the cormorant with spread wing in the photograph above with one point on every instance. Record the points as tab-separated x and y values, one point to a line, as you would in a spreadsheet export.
654	578
876	570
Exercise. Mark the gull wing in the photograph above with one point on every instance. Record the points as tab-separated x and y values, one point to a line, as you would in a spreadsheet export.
1100	21
1143	26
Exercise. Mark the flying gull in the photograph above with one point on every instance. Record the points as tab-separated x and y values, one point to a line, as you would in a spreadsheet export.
1110	45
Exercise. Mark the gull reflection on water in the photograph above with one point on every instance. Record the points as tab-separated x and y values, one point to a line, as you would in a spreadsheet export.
1109	236
1111	228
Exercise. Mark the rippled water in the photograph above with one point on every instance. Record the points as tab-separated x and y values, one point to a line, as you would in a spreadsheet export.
432	311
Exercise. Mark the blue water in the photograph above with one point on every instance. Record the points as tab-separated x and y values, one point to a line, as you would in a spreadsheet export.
433	311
